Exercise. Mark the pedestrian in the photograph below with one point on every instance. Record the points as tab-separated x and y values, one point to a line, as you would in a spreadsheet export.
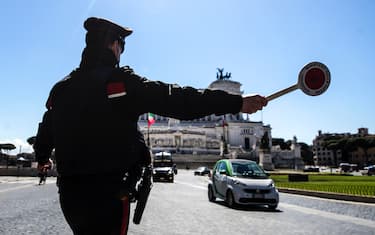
43	171
91	122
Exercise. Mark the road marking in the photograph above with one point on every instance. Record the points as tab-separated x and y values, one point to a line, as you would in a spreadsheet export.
191	185
23	186
23	181
325	214
330	215
15	188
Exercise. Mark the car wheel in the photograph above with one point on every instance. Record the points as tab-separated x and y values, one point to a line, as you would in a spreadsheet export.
272	207
172	179
211	195
229	199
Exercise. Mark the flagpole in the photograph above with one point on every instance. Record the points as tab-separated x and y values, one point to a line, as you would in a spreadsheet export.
148	135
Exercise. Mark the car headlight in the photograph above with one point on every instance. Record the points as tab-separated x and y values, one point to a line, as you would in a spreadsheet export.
236	182
271	185
153	171
169	171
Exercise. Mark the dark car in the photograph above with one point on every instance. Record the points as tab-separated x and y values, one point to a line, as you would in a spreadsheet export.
163	174
370	170
202	171
163	167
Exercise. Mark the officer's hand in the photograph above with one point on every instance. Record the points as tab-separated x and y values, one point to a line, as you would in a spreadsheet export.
45	166
253	103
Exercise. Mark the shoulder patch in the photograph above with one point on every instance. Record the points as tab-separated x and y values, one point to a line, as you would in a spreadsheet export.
115	89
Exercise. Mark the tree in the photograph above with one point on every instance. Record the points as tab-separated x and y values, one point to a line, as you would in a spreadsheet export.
7	147
333	145
281	142
306	154
347	145
365	143
264	143
31	140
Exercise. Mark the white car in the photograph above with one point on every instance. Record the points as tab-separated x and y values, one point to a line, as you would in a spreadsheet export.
239	181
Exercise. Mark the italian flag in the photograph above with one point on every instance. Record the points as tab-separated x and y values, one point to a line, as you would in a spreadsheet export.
150	119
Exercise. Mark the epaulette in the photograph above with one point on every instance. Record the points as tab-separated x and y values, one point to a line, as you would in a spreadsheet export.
49	102
127	69
66	78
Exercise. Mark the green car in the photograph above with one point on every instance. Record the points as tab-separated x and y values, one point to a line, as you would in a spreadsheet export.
244	182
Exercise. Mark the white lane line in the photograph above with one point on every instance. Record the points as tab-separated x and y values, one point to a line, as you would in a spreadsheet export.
330	215
23	181
191	185
23	186
15	188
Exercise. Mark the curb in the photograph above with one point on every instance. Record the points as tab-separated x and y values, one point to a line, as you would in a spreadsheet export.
343	197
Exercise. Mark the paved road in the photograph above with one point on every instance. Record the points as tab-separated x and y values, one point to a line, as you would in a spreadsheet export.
183	208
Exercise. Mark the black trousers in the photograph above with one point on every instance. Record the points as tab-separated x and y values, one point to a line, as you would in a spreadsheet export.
94	205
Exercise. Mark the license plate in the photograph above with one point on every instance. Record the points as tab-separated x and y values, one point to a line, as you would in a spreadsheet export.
258	195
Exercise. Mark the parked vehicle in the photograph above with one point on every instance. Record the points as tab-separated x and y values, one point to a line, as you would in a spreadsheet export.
163	167
370	170
239	181
311	169
346	167
202	171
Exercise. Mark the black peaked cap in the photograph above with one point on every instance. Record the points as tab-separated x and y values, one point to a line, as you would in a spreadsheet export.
94	24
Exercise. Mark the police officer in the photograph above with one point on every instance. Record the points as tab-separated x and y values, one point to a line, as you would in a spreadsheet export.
91	122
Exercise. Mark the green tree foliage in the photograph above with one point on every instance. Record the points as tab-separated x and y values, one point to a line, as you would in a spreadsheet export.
347	145
7	146
334	145
364	143
306	154
31	140
281	142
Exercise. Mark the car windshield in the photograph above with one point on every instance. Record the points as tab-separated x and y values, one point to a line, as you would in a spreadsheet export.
248	170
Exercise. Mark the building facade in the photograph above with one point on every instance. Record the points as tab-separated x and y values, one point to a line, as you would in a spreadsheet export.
230	135
326	157
211	134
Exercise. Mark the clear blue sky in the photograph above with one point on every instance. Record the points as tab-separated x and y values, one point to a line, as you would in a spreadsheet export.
264	44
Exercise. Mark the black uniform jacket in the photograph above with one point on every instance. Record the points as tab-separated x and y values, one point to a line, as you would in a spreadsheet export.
92	115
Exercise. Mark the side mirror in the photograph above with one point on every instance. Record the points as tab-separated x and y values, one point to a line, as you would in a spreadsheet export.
223	172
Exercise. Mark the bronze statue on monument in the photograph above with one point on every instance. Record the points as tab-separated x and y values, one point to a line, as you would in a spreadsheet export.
220	76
